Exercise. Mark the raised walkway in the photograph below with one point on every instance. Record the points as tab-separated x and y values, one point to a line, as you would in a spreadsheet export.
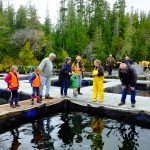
141	112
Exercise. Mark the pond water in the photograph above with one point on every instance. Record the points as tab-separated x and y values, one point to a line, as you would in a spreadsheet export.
141	90
76	131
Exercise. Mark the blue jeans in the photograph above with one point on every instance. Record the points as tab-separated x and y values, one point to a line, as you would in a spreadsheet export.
45	81
124	95
64	85
80	80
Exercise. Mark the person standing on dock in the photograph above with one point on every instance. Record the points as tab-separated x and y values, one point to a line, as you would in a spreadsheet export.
80	66
46	70
64	77
35	83
110	62
128	77
98	82
13	84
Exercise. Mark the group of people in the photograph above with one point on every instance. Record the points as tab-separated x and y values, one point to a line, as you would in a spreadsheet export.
38	79
71	76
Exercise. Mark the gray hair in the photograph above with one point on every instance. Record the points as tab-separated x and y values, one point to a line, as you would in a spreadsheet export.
52	55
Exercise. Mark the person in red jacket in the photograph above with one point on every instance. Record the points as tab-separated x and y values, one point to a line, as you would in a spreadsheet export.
13	84
35	83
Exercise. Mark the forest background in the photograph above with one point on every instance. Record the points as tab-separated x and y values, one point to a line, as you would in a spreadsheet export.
89	28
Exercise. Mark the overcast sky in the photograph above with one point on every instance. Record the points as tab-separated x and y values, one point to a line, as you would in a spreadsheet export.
53	6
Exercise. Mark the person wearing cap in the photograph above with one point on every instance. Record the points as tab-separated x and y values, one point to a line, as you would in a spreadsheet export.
110	62
64	77
128	77
46	70
80	66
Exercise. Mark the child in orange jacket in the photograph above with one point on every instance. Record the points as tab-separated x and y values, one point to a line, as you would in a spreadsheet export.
13	84
35	83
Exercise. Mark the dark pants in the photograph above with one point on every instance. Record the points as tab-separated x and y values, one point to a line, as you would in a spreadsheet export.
35	92
64	87
14	97
124	95
109	67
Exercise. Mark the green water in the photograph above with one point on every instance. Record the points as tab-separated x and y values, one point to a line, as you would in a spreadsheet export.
76	131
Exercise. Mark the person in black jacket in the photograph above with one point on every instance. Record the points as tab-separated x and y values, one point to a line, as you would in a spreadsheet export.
128	78
64	77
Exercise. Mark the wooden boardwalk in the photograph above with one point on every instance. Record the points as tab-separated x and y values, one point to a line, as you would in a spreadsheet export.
7	111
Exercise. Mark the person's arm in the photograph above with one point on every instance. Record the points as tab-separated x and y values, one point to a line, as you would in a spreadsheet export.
42	64
121	78
64	70
8	78
100	72
32	77
133	77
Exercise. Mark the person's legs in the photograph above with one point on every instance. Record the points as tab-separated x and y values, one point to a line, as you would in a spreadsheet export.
101	88
16	98
66	86
43	81
124	94
133	94
110	70
47	86
33	95
79	84
12	97
37	95
62	86
95	90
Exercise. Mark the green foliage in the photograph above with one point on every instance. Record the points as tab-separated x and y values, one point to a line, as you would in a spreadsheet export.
26	56
89	28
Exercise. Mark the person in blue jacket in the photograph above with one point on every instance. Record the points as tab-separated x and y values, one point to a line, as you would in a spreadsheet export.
64	77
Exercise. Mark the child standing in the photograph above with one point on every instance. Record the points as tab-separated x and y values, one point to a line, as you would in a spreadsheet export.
74	81
35	83
98	81
64	77
13	84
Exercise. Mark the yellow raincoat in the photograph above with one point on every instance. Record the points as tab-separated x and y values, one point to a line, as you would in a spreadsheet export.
98	86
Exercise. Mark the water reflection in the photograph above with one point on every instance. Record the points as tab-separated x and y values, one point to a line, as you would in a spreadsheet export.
130	137
97	125
76	131
15	142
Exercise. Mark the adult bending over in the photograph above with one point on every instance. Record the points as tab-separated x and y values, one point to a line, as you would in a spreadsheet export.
128	78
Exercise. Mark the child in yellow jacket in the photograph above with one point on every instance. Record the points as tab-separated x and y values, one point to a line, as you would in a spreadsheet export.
98	81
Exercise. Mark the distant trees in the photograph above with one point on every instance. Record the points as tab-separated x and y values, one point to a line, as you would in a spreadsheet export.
86	27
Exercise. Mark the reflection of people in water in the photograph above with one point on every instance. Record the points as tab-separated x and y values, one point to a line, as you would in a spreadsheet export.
15	142
97	125
37	134
130	137
66	133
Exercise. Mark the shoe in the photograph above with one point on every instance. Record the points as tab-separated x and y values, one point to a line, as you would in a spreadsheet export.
17	105
94	100
66	96
133	105
80	93
75	94
39	101
41	98
101	101
12	106
48	97
62	96
121	103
